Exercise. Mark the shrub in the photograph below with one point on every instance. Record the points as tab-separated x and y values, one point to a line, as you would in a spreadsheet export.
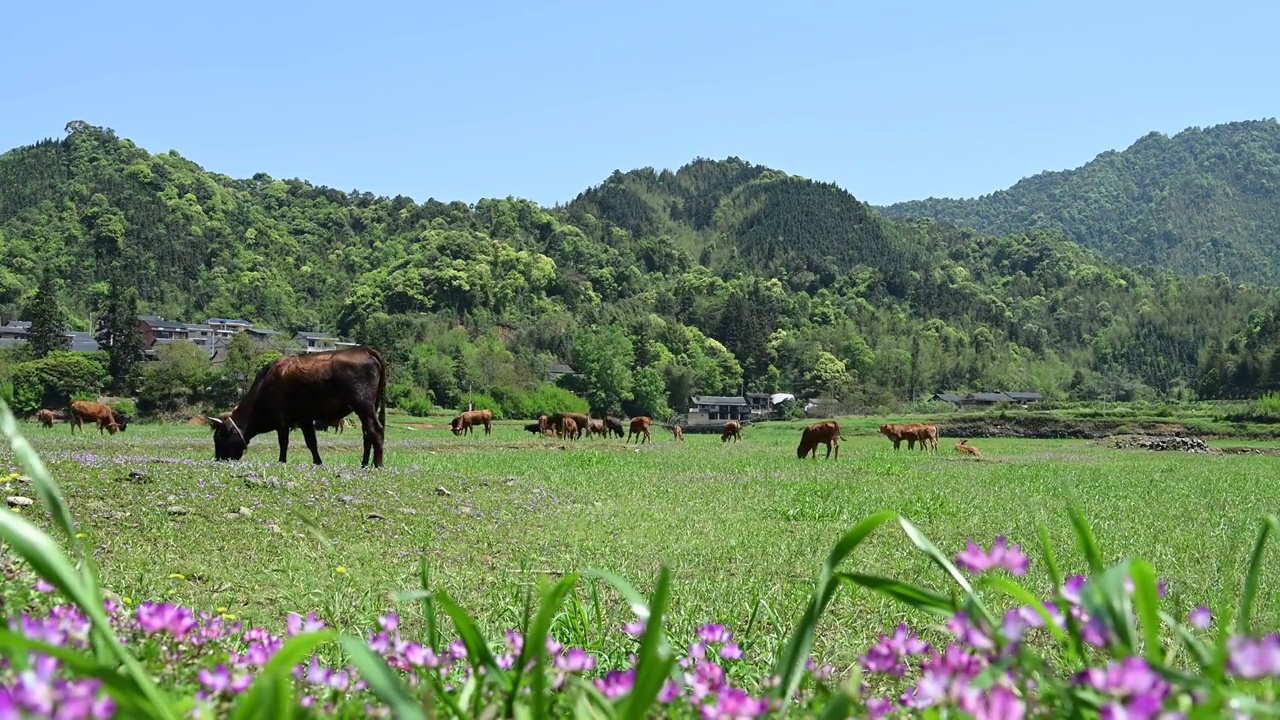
1268	406
529	404
481	401
124	407
56	380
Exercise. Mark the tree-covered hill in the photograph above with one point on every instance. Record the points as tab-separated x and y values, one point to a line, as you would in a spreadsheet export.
654	285
1203	201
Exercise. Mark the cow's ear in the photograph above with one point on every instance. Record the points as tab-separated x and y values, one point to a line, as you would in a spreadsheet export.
214	420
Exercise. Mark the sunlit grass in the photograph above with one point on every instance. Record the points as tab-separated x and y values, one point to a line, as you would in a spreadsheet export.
741	526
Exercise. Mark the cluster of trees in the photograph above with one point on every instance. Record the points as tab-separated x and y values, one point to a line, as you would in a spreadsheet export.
654	286
1201	202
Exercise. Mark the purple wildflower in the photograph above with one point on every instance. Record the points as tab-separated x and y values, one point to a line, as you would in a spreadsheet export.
297	625
731	651
390	622
1000	704
968	633
886	657
157	618
734	704
515	641
634	629
41	586
616	683
1253	658
1200	618
975	560
670	691
575	660
714	634
220	681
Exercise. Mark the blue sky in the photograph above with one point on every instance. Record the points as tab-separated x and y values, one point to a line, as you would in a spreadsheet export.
541	100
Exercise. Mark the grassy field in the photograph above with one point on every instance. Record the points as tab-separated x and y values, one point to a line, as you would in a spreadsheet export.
744	527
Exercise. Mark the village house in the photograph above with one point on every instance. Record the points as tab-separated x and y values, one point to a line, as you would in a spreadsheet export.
713	408
314	342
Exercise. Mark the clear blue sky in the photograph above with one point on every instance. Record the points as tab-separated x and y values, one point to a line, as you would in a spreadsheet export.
893	101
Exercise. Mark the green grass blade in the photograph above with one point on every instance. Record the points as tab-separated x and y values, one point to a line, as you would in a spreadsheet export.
839	707
429	606
1050	560
382	681
535	643
1252	577
1088	545
1197	649
655	660
791	662
634	599
1146	602
271	694
1104	596
934	603
478	650
1025	598
925	544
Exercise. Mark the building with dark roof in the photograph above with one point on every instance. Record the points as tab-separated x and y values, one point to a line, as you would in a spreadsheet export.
717	408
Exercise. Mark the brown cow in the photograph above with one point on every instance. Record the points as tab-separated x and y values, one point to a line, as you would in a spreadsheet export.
678	432
45	417
568	429
464	422
640	428
926	435
580	422
303	390
826	433
732	429
337	425
104	416
964	447
596	427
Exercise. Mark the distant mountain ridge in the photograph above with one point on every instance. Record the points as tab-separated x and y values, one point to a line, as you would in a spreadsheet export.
1204	201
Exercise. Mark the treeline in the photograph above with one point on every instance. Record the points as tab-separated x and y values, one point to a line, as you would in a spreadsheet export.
653	286
1201	202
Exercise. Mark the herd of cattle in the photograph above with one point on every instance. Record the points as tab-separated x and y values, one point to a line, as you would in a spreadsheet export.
319	391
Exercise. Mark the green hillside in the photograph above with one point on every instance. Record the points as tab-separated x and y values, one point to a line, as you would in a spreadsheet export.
1201	202
655	285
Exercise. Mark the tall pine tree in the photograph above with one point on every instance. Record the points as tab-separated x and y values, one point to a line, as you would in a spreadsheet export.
48	324
118	334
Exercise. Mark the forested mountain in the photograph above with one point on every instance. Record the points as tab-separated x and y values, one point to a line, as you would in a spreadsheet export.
654	285
1202	202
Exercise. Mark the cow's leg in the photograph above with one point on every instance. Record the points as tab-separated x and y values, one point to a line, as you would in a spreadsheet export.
282	435
837	444
368	426
309	435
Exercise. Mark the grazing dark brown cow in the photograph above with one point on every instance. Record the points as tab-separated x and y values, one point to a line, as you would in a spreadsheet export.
469	419
677	432
823	433
103	416
45	417
302	391
732	429
640	429
613	426
568	429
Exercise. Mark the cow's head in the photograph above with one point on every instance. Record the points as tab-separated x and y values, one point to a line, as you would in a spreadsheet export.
456	425
229	442
120	419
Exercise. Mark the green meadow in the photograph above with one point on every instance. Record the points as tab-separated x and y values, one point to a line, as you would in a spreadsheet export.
743	526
